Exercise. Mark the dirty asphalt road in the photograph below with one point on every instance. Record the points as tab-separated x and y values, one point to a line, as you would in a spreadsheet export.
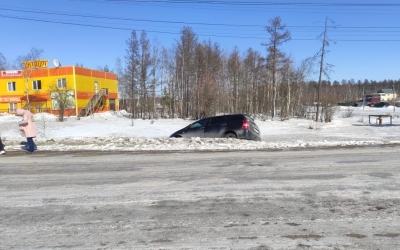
304	199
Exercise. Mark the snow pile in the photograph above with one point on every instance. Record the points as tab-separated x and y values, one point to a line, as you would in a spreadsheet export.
115	131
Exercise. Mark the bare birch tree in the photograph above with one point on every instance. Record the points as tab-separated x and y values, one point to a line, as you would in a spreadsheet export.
324	68
143	69
167	82
208	66
184	54
3	62
253	73
154	81
122	86
132	71
32	55
278	36
234	65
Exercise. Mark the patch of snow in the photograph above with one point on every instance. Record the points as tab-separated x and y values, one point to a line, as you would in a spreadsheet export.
114	131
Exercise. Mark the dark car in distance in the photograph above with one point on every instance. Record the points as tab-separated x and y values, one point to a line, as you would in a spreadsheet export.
238	126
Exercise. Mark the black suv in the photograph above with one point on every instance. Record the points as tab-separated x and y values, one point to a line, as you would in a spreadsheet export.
239	126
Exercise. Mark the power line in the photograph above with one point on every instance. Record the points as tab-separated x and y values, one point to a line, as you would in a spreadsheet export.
272	7
296	29
258	3
256	6
177	33
129	19
185	23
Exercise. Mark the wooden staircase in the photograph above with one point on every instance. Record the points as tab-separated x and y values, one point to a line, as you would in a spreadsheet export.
93	104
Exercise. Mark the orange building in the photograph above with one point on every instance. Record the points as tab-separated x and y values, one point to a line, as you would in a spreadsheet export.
35	88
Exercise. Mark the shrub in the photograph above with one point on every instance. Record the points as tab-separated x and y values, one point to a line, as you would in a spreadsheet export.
347	113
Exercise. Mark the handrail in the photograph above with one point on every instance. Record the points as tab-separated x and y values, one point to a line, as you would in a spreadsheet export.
93	103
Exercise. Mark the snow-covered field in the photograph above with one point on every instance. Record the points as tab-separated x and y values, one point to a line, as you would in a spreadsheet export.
113	131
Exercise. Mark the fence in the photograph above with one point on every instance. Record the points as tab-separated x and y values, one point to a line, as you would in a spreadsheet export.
33	110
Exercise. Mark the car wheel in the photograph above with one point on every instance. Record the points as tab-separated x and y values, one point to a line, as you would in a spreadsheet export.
230	135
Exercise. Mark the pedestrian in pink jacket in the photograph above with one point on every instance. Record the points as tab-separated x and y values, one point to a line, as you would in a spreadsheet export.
27	128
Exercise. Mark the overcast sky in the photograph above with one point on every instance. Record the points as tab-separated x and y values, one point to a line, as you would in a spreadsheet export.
364	34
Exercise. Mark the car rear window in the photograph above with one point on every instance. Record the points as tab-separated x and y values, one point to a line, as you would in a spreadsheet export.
218	119
249	118
236	117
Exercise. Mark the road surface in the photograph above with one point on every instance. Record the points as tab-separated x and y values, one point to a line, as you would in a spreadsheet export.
346	198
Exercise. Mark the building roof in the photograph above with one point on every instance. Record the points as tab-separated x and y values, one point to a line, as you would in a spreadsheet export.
387	91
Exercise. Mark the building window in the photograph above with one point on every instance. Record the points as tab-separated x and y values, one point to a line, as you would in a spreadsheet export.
11	86
13	107
66	99
37	84
62	83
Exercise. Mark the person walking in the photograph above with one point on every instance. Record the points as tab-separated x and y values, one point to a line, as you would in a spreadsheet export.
27	128
2	151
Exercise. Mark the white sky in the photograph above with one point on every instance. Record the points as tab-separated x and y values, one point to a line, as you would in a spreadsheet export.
114	132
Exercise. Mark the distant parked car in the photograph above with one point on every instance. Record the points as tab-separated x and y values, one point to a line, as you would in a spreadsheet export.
238	126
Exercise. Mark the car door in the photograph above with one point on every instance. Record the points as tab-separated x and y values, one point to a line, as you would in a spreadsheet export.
216	127
196	129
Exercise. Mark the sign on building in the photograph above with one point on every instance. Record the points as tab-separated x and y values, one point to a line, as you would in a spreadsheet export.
35	64
10	99
11	73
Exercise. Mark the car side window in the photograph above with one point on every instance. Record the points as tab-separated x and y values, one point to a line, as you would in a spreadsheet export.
217	119
200	123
